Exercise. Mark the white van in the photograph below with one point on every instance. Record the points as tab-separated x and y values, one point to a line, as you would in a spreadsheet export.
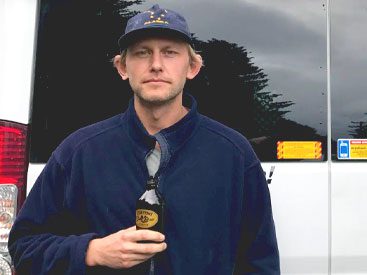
289	75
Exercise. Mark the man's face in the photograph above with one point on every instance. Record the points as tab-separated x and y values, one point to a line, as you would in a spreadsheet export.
157	69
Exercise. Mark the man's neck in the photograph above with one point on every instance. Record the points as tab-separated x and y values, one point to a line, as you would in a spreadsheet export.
158	117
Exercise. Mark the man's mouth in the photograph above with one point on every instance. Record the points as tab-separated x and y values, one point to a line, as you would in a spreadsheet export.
155	80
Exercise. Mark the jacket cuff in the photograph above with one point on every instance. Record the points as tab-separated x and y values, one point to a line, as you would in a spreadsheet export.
78	265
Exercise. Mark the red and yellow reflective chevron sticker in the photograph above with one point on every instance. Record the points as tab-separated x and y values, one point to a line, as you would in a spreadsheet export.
299	150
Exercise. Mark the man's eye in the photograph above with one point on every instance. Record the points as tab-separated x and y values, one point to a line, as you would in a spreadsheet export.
170	53
142	53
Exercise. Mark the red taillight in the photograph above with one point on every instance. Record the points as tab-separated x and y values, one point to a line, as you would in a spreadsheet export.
14	157
13	171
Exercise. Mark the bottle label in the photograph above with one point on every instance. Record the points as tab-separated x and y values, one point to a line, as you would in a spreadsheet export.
146	218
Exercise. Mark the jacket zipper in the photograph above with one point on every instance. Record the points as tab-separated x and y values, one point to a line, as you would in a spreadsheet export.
151	269
158	176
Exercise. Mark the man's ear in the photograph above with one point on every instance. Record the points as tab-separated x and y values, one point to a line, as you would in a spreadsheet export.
120	67
195	66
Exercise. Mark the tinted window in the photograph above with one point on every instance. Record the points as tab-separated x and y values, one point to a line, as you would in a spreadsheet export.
348	73
264	74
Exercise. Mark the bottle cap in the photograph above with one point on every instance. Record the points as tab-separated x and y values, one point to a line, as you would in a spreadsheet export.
152	182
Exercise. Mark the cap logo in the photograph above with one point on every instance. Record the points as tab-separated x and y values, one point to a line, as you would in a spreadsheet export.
156	18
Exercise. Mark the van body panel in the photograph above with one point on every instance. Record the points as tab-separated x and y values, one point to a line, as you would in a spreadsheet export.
349	218
17	32
34	170
299	193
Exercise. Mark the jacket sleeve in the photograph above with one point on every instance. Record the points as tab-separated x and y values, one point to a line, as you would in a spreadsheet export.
47	236
258	249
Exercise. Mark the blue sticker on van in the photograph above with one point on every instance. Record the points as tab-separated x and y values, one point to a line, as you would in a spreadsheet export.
343	149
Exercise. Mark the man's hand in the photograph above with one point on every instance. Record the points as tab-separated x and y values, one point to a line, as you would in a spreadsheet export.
123	250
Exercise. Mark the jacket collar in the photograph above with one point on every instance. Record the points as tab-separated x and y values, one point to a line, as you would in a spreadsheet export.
173	137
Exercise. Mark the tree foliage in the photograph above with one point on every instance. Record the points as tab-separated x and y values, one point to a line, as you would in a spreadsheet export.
358	129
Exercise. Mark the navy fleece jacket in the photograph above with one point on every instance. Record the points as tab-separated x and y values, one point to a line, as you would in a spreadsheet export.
218	211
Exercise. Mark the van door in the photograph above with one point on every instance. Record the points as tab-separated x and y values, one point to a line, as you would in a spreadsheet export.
349	137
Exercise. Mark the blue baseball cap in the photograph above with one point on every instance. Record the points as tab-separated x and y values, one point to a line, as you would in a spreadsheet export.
157	21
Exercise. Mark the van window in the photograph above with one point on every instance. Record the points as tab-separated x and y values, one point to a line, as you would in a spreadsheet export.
264	73
348	74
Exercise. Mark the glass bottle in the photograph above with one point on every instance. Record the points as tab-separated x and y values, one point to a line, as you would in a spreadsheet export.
150	208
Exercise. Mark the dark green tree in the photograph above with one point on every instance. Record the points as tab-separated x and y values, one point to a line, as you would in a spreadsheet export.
236	89
358	129
269	112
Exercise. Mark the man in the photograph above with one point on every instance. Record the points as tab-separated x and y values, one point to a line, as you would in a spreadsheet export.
80	215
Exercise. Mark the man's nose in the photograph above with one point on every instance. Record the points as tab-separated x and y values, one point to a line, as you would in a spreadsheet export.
156	60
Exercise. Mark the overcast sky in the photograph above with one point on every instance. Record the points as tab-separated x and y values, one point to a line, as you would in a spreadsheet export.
288	39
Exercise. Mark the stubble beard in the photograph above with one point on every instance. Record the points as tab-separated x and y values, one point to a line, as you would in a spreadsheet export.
157	101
